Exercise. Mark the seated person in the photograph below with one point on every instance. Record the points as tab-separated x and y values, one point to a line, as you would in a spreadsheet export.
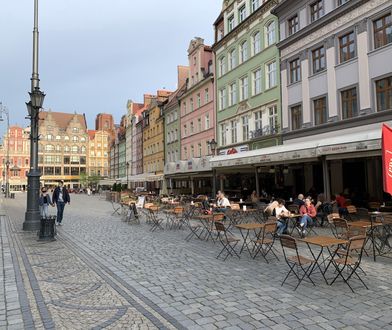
308	211
299	200
222	203
281	213
341	203
254	197
323	208
205	205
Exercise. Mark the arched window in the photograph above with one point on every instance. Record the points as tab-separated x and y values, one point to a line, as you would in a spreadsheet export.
270	31
74	149
232	59
58	137
222	66
83	149
66	138
256	44
58	148
82	139
49	137
66	148
75	139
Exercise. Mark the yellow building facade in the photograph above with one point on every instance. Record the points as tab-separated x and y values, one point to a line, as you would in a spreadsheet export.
153	135
98	153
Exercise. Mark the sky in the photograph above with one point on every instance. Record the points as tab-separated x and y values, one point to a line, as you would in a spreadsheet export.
95	55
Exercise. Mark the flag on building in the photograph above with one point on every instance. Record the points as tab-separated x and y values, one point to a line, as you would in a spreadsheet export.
387	158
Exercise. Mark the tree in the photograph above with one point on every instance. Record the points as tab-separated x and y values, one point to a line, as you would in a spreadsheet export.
83	179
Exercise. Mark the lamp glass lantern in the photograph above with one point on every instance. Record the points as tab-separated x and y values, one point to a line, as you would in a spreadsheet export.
37	98
213	145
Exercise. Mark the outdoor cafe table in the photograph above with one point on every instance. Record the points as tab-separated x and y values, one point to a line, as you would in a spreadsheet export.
245	229
292	220
238	216
207	221
322	242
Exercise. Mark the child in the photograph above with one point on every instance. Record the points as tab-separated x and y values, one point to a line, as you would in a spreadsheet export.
44	202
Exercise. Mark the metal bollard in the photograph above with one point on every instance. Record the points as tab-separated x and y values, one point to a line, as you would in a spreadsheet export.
47	229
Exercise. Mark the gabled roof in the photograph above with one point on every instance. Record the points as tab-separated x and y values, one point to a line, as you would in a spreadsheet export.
63	119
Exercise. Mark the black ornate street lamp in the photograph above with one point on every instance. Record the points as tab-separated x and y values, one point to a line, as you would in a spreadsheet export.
32	215
213	146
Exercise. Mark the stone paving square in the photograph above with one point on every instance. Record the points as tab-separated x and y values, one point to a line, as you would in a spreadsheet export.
104	273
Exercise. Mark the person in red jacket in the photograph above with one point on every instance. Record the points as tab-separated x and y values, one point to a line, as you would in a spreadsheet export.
308	212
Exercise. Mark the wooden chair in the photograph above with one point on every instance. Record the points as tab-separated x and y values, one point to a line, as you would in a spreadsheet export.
154	218
340	228
228	241
297	264
264	243
352	212
293	208
348	264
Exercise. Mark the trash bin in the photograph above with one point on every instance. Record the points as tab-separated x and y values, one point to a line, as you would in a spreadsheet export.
47	229
12	195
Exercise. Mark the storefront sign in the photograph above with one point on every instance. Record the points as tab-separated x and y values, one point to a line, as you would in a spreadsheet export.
234	150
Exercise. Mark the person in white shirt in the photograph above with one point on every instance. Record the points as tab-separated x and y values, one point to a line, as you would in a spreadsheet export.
222	202
281	213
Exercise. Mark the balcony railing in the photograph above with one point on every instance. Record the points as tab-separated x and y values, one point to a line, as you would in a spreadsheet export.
265	131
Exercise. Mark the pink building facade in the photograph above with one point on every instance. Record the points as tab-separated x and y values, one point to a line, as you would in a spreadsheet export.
197	120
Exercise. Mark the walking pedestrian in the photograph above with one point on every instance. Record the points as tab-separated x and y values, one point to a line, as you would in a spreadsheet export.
44	202
61	197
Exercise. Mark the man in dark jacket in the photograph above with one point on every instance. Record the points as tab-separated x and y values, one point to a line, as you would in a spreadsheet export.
60	197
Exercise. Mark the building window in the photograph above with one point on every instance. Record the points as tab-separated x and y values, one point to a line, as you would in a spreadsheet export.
245	128
75	130
198	100
271	75
232	94
192	151
192	128
66	138
296	117
258	120
293	23
206	98
75	139
49	148
256	75
273	118
58	137
316	10
318	59
191	104
232	59
223	134
185	131
382	31
207	121
320	111
222	67
200	150
184	108
199	129
49	137
243	51
222	99
256	43
255	5
295	71
342	2
242	13
233	124
349	103
384	94
271	34
347	47
243	88
230	23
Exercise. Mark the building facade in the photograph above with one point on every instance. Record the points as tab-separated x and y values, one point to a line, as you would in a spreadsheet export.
154	141
62	149
98	153
16	150
247	86
336	77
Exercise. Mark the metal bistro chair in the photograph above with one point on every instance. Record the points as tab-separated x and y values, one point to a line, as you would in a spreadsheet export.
348	264
295	261
228	241
156	221
264	243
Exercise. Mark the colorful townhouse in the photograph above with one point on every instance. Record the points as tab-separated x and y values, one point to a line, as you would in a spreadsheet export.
247	84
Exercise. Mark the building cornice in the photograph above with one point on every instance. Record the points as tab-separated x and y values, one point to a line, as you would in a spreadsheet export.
201	83
330	17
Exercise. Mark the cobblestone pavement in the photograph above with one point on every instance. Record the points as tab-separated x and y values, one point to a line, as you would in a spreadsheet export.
104	273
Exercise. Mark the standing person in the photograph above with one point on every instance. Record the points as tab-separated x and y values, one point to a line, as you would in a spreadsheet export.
44	202
60	197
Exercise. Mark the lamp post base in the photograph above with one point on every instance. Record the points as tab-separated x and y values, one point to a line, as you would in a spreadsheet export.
32	221
32	215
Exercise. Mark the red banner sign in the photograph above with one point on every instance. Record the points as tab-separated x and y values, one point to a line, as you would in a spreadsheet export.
387	158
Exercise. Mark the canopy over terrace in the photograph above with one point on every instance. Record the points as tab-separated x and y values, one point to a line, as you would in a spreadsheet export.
359	144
